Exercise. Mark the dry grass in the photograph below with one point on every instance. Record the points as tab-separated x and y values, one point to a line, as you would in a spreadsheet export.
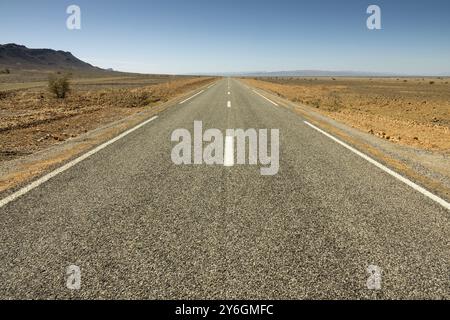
31	120
413	111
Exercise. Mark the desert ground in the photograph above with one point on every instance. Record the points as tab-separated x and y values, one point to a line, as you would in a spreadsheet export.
408	111
32	119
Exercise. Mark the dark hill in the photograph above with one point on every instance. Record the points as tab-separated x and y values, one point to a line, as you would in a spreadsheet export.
20	57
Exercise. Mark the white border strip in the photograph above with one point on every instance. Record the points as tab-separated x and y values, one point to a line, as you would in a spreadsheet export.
192	97
265	98
416	187
69	165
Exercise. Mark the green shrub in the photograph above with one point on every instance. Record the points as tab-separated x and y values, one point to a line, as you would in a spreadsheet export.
59	85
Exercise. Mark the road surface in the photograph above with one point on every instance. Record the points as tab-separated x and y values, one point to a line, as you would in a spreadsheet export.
139	226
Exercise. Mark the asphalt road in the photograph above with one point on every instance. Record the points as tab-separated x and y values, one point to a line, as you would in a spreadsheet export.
140	226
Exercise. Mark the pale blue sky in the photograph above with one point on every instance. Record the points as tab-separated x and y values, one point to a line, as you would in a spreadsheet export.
174	36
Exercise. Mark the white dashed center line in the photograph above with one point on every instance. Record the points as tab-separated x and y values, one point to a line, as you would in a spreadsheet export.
228	158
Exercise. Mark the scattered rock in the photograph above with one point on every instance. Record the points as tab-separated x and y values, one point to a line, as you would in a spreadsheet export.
58	138
43	138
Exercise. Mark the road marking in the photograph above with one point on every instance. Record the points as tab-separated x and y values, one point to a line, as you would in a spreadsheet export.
229	152
211	86
229	104
69	165
265	98
413	185
229	92
192	97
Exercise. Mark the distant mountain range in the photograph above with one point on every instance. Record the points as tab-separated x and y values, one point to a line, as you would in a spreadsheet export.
318	73
15	56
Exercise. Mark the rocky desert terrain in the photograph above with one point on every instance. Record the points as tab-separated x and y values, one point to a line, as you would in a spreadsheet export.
33	119
408	111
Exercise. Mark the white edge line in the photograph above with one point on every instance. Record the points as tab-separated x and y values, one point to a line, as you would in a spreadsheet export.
192	97
69	165
408	182
265	98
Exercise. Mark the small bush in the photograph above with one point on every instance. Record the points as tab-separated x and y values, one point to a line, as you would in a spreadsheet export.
5	71
431	82
59	85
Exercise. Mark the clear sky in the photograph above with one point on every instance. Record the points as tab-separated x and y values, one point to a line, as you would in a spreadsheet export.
190	36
